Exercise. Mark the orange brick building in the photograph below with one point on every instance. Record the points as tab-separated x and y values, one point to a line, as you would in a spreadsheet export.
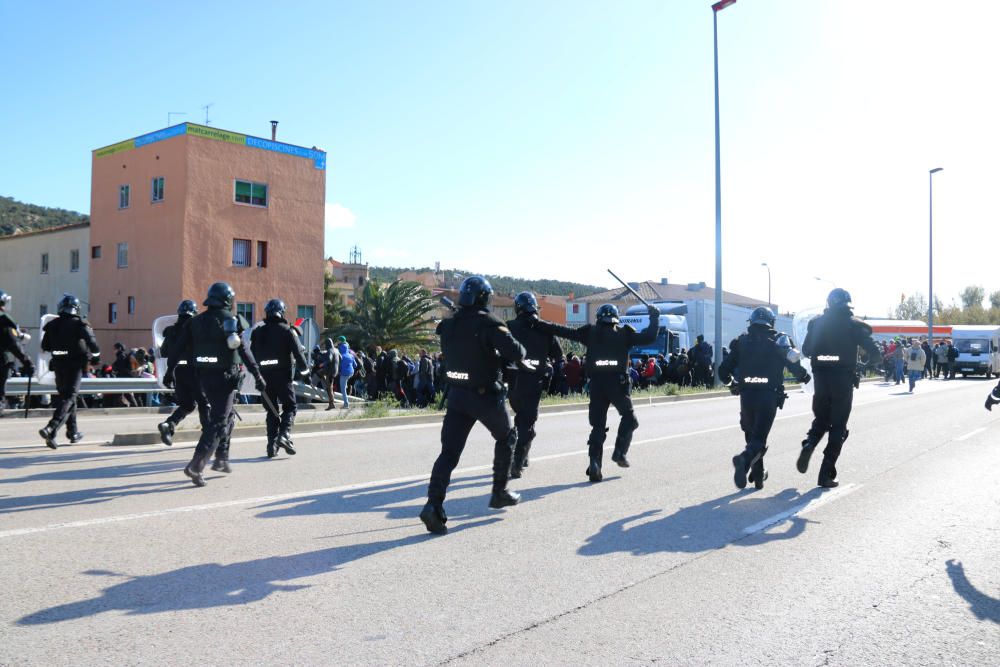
176	210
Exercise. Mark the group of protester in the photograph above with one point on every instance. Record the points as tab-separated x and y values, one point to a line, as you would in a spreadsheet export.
913	359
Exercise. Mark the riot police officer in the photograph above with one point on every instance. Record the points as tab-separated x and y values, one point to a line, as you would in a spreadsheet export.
608	345
527	386
832	342
10	349
476	345
755	369
180	375
275	346
213	340
71	342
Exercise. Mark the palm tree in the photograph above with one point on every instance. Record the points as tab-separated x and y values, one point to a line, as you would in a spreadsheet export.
393	316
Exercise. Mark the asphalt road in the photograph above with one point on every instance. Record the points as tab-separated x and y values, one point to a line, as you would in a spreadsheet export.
110	556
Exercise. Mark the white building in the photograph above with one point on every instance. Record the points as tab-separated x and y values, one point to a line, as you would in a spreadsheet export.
37	268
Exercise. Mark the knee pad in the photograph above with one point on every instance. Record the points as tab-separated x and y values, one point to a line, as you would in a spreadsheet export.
630	422
510	439
597	436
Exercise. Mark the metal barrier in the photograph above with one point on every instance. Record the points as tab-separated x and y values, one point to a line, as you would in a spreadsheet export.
19	385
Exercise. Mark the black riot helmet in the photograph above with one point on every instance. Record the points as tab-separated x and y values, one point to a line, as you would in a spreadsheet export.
220	295
838	298
68	305
4	299
275	308
762	315
475	291
525	302
187	307
607	314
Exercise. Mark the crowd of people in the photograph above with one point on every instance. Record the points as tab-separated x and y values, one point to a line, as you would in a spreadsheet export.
914	359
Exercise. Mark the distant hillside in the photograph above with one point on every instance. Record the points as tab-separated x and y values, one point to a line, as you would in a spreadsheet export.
501	284
17	218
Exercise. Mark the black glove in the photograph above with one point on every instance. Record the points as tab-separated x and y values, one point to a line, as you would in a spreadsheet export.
168	379
259	384
805	378
303	373
990	402
525	367
28	369
653	311
734	388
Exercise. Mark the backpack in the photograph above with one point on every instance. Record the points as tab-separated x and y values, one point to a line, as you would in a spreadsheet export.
913	354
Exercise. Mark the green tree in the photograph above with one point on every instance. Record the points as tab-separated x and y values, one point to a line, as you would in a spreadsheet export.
333	305
995	300
394	316
913	307
972	296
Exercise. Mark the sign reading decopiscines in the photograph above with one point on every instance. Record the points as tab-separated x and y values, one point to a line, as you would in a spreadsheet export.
318	157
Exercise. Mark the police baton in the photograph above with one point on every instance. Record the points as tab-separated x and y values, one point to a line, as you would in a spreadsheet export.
27	398
449	304
629	288
266	400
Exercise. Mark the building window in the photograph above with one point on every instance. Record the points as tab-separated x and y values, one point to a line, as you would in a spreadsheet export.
241	252
157	189
122	255
123	196
43	310
45	262
246	310
261	254
307	312
95	252
131	305
74	260
576	308
361	281
254	194
112	313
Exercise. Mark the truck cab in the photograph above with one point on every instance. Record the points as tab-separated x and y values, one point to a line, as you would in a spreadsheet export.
673	332
978	349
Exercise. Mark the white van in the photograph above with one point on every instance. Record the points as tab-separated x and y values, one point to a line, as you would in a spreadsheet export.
978	348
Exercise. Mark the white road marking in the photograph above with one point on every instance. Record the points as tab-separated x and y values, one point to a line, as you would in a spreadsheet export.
819	501
969	435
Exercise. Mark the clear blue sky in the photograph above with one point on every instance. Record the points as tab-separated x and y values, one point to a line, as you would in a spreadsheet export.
556	138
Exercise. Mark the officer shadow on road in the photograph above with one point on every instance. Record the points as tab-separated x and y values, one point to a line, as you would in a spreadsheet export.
215	585
403	500
712	524
984	607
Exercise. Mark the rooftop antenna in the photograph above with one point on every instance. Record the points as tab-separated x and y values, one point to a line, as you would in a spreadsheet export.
355	255
174	113
206	108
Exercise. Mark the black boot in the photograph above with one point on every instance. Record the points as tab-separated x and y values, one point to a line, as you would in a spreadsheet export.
501	498
808	447
75	437
524	459
618	457
740	468
758	475
284	441
828	475
434	518
594	471
515	470
166	433
49	436
271	450
196	477
221	465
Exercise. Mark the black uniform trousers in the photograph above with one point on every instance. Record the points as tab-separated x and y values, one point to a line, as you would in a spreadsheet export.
758	408
607	390
64	405
831	410
525	394
188	394
279	389
218	387
465	408
5	371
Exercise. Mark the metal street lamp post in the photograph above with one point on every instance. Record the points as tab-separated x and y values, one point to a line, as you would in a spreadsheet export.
716	8
930	258
764	264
